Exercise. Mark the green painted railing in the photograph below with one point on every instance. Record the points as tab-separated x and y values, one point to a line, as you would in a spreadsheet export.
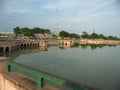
40	76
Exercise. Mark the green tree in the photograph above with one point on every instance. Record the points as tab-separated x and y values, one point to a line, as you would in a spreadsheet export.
101	36
26	31
94	36
64	34
37	30
54	35
47	31
73	35
111	38
17	30
84	34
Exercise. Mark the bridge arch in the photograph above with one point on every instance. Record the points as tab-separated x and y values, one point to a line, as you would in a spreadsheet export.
22	45
7	49
35	44
31	45
1	49
27	44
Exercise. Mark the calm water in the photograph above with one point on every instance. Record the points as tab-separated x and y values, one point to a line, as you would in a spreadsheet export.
95	66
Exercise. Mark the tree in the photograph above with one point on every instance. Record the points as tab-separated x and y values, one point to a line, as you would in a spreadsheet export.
26	31
94	35
84	34
64	34
37	30
47	31
17	30
101	36
54	35
111	37
27	34
73	35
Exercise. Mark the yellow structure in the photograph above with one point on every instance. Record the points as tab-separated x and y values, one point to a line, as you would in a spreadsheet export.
66	43
43	43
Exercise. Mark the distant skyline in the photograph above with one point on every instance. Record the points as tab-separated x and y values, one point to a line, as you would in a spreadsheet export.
74	16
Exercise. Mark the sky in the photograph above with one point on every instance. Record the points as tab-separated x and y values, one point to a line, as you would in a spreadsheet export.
74	16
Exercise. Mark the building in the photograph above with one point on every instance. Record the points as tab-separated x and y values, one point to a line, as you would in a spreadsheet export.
7	34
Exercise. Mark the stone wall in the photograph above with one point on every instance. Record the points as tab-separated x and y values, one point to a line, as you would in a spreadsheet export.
99	41
7	83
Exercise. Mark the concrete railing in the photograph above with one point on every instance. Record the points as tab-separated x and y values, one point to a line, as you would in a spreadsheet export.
40	76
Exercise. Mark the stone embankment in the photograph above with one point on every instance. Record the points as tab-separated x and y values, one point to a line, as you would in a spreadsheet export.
99	41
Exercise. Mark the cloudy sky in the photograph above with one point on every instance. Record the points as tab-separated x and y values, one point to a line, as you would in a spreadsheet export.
74	16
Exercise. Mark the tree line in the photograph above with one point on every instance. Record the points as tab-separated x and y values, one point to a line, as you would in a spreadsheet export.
98	36
31	31
85	35
64	34
36	30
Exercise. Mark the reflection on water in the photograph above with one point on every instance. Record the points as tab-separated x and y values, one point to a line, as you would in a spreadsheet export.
94	46
85	46
33	50
24	50
28	50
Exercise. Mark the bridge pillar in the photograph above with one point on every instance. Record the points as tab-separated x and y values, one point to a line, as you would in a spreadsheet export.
4	49
40	81
10	49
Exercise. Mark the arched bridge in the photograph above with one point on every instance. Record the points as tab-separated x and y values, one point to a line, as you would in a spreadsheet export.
13	45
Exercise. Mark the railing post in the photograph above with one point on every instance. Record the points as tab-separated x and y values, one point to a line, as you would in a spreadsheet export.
8	67
40	81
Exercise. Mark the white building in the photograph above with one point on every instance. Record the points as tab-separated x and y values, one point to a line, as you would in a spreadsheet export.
6	34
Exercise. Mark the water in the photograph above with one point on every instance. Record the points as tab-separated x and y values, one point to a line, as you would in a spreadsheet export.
91	65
